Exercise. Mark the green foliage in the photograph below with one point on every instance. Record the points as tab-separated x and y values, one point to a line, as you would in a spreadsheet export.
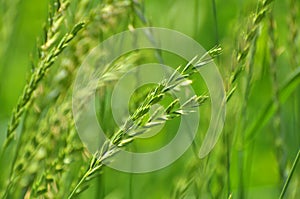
257	155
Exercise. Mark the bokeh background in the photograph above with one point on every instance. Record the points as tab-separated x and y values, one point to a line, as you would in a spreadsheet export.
209	23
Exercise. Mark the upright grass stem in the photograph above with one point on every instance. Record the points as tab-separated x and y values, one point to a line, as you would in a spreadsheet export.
196	18
39	73
279	135
294	58
48	52
8	17
36	77
246	45
288	180
40	135
294	32
47	58
242	167
215	20
239	62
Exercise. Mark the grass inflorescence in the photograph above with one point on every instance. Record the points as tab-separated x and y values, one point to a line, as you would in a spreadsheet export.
42	155
137	124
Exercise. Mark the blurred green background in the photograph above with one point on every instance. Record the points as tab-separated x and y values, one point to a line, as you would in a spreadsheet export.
196	18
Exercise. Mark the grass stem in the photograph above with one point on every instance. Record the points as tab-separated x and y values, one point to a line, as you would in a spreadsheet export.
288	180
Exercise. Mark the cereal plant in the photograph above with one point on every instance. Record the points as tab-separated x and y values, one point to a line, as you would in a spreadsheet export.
150	99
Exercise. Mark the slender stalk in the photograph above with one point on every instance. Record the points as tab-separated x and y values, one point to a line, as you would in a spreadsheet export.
134	125
113	146
82	180
7	26
279	135
294	32
215	20
245	45
242	167
39	73
196	18
294	58
239	65
228	177
288	180
47	60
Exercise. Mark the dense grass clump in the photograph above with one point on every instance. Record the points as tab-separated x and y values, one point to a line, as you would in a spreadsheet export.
255	45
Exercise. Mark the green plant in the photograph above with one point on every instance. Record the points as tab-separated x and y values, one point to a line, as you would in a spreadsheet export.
42	155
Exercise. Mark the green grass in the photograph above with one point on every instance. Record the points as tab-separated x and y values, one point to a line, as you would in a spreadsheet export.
257	154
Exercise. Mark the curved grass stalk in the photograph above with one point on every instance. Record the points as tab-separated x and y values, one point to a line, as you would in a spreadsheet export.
136	125
109	149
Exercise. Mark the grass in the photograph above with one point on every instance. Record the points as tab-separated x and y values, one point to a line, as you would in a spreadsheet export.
42	155
287	182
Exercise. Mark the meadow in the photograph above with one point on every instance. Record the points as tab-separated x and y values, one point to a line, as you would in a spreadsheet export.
255	45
